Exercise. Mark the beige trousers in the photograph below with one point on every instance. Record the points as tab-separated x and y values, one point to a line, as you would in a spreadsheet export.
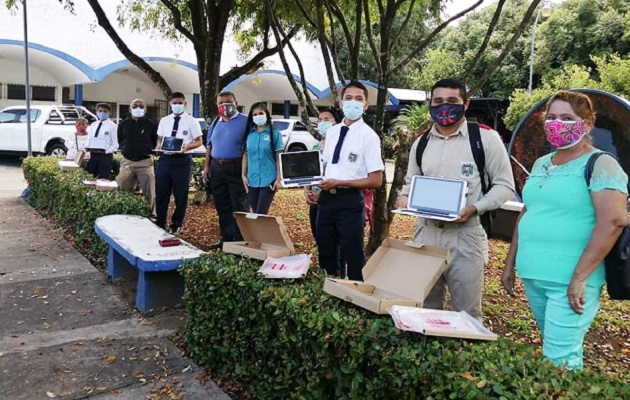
468	245
132	172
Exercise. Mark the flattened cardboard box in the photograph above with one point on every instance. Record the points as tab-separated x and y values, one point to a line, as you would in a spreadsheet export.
265	236
398	273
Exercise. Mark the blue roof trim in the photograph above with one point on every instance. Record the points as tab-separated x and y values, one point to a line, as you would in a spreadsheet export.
318	93
103	72
75	62
92	74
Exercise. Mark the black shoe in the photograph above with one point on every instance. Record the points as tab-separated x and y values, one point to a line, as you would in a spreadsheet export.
174	230
216	246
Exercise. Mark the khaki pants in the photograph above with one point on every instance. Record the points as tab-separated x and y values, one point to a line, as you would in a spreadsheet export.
132	172
468	245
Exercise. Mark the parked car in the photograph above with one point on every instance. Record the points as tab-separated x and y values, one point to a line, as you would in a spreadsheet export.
50	126
295	135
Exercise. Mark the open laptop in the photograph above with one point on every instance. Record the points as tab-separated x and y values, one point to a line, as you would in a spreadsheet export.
301	168
97	143
172	145
435	198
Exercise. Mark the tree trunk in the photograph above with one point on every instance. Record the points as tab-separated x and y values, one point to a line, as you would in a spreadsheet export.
142	65
400	171
508	47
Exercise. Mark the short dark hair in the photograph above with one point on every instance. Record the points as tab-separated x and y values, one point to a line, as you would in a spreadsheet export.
354	84
451	84
105	106
178	95
332	111
226	93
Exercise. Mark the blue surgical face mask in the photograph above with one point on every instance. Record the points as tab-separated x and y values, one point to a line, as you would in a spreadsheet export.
137	112
260	120
352	109
102	115
177	108
323	126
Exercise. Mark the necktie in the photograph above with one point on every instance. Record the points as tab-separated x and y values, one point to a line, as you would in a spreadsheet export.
342	136
98	128
175	126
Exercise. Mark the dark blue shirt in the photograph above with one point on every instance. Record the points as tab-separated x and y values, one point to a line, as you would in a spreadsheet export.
226	138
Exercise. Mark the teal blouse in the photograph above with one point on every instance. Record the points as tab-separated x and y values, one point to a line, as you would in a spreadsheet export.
261	159
560	217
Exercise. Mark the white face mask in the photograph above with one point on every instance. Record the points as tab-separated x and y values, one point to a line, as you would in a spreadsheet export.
137	112
260	120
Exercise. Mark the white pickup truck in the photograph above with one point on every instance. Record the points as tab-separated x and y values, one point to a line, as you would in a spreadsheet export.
50	126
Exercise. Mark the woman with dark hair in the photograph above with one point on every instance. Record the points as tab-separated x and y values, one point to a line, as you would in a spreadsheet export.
261	175
565	230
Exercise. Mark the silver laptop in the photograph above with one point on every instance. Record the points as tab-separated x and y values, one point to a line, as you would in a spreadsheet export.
435	198
97	143
301	168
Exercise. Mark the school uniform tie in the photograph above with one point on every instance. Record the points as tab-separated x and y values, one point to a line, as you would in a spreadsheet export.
98	128
175	126
342	136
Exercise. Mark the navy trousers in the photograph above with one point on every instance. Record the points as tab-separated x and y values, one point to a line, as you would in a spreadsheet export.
172	177
340	221
260	199
100	165
229	196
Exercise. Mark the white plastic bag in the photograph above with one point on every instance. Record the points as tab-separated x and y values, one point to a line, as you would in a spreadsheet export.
291	267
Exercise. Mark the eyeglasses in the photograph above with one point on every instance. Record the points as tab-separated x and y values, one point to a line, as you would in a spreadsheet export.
137	106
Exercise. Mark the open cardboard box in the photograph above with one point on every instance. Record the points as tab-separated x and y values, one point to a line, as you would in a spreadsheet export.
398	273
265	236
72	164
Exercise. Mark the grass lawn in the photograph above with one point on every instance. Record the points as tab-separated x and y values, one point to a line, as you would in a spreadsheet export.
608	341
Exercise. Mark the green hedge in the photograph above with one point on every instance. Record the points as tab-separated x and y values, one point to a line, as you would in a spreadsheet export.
290	340
63	196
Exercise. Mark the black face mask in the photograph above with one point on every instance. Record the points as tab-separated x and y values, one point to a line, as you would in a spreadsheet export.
447	114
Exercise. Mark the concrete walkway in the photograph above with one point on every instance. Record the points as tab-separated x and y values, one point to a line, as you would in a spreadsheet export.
65	332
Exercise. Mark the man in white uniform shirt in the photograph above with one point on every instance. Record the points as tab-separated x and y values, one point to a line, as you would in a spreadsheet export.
102	143
352	162
174	168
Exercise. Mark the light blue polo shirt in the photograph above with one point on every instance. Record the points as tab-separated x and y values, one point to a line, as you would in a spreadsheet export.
261	160
226	138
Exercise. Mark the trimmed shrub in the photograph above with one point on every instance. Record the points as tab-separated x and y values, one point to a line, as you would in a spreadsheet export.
288	339
63	196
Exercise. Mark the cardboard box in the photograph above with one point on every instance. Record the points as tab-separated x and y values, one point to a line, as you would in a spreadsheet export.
265	236
398	273
457	324
106	184
67	165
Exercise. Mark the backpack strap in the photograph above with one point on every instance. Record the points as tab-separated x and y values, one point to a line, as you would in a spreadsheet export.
479	155
422	145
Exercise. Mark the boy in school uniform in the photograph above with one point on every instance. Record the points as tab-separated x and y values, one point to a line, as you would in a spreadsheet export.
102	143
174	169
352	162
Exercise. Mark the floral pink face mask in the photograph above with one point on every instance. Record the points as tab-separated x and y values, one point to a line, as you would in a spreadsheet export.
564	134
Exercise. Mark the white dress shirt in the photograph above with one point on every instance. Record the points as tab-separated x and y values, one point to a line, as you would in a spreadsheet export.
109	131
360	152
188	128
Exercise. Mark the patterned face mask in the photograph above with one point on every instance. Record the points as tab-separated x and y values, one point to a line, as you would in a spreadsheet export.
564	134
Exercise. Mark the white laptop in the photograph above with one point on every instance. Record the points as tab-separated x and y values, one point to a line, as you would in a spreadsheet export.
301	168
435	198
97	143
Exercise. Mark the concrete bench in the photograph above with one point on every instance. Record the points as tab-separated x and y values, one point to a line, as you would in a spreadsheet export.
133	244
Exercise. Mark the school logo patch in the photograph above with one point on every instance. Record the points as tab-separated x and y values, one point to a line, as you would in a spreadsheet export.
467	169
353	157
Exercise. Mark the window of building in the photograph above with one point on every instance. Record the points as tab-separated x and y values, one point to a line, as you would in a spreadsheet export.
15	92
43	93
278	109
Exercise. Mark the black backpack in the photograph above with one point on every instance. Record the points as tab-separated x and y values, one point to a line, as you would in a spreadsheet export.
617	261
476	145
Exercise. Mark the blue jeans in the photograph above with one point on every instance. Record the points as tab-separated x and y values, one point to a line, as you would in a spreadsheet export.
562	329
260	199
